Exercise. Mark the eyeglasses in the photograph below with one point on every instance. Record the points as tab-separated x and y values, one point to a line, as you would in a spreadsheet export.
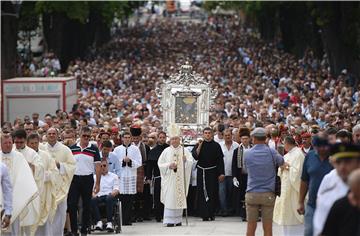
86	136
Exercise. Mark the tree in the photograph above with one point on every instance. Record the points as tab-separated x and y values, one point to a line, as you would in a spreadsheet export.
69	27
340	32
9	30
325	27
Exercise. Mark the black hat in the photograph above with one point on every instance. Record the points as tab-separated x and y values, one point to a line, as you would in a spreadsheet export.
135	130
344	150
244	131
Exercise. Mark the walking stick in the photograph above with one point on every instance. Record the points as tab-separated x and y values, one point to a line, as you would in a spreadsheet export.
183	149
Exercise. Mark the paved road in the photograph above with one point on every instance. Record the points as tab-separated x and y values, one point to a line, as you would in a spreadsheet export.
221	226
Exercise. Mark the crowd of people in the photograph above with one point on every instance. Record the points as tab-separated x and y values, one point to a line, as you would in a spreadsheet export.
48	65
272	111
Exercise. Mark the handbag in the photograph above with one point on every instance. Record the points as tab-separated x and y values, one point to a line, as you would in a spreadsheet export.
277	178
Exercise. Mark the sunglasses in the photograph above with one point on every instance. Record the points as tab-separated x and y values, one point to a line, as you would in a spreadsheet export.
86	136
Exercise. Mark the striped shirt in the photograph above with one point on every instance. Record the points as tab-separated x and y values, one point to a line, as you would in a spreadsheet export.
85	158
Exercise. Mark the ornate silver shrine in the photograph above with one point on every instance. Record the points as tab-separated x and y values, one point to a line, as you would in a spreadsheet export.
185	100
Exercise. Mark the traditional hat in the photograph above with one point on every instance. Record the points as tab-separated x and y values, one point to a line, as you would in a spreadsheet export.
174	130
135	130
244	131
306	135
340	151
114	130
102	132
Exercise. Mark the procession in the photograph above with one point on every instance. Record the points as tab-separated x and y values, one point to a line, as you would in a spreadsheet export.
183	122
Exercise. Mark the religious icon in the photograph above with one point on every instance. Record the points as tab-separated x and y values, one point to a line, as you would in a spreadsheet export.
186	110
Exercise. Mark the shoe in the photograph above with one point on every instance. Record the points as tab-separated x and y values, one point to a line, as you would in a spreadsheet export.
140	219
99	225
109	227
170	225
212	218
178	224
205	219
147	219
158	220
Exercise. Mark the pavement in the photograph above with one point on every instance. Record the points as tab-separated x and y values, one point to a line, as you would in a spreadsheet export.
221	226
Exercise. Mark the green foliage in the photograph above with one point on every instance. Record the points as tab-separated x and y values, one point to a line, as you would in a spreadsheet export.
80	10
72	9
29	19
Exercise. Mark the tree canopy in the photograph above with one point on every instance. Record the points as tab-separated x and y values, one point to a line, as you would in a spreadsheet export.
326	27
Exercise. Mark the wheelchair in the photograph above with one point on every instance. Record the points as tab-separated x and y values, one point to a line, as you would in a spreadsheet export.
117	218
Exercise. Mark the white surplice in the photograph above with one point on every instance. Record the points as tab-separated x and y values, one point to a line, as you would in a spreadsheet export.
285	210
128	174
23	183
63	177
47	196
31	215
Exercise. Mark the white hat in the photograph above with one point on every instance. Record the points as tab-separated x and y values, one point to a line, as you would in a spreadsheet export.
174	130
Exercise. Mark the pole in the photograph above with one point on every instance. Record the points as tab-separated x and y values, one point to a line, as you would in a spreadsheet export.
186	213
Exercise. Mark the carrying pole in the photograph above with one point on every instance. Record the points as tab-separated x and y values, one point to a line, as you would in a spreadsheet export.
183	150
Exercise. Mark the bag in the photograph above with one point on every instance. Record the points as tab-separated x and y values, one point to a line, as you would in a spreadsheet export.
277	178
277	185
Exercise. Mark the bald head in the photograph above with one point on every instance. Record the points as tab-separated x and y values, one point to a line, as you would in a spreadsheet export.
52	135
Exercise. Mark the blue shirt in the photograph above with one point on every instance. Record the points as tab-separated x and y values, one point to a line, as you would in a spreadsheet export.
114	164
313	172
260	162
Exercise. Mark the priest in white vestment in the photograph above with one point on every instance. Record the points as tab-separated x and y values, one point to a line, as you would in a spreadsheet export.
65	163
129	158
47	195
30	216
22	180
175	164
285	210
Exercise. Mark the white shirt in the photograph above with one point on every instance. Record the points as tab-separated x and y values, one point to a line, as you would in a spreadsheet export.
108	183
272	144
332	188
228	155
217	139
